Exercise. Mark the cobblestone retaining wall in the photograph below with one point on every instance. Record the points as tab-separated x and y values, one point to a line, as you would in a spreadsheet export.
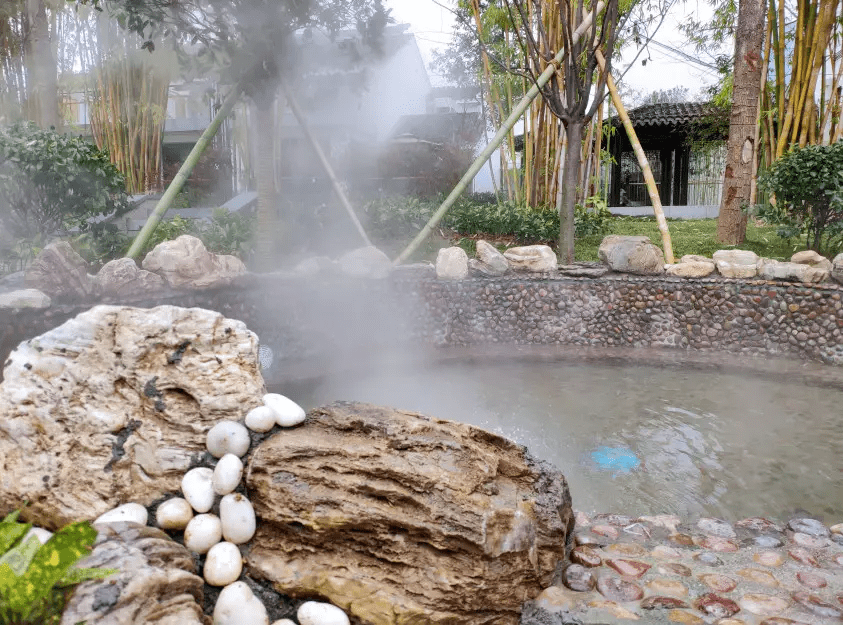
331	317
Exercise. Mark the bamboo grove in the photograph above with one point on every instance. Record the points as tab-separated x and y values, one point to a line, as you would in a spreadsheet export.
531	161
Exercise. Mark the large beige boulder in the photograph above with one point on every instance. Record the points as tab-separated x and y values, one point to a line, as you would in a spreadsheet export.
769	269
535	258
631	254
400	518
60	272
489	261
690	269
736	263
451	263
114	405
122	277
184	262
812	258
155	582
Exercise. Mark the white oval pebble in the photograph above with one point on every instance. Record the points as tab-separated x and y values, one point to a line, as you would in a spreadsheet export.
238	519
203	532
261	419
228	437
287	412
284	621
173	514
227	474
223	564
237	605
198	488
131	512
315	613
39	532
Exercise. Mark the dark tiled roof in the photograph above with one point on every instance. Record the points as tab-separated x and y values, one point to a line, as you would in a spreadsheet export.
668	114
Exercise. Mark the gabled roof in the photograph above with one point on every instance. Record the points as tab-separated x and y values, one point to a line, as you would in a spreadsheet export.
668	114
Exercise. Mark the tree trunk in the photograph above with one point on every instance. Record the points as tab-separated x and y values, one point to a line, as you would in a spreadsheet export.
267	237
567	196
42	85
737	180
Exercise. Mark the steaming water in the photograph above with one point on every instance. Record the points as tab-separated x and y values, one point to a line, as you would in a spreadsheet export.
709	443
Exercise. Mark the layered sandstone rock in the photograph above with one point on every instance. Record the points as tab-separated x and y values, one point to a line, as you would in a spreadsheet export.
114	405
536	258
400	518
155	582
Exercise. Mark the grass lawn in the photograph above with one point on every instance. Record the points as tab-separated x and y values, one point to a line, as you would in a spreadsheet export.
693	236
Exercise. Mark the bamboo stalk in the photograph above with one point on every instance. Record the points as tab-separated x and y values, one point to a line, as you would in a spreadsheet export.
642	161
183	174
499	137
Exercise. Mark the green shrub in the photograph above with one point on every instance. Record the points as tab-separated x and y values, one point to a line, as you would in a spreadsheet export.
34	577
51	183
393	218
808	185
226	233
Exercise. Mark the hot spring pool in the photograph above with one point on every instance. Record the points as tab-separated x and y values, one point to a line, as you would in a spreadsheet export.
706	443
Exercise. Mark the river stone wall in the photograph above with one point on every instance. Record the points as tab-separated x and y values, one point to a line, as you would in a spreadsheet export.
331	318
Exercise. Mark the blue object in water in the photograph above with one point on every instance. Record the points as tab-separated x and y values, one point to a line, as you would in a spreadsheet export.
619	459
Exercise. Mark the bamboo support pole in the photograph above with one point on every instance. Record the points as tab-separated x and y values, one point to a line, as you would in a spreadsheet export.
499	137
642	161
326	165
183	174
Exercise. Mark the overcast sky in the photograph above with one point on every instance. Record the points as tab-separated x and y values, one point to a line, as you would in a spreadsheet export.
432	23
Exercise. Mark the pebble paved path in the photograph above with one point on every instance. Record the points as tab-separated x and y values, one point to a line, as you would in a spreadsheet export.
657	569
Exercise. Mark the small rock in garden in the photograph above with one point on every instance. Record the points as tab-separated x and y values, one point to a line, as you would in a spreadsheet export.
535	258
816	605
452	264
577	577
812	527
260	419
662	603
585	556
837	267
768	558
493	262
812	258
759	576
718	583
237	605
202	532
365	262
695	269
227	474
631	254
186	262
25	298
716	606
664	586
716	527
223	564
736	263
287	412
811	580
228	437
628	568
317	613
238	519
128	512
198	488
764	605
618	589
769	269
173	514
